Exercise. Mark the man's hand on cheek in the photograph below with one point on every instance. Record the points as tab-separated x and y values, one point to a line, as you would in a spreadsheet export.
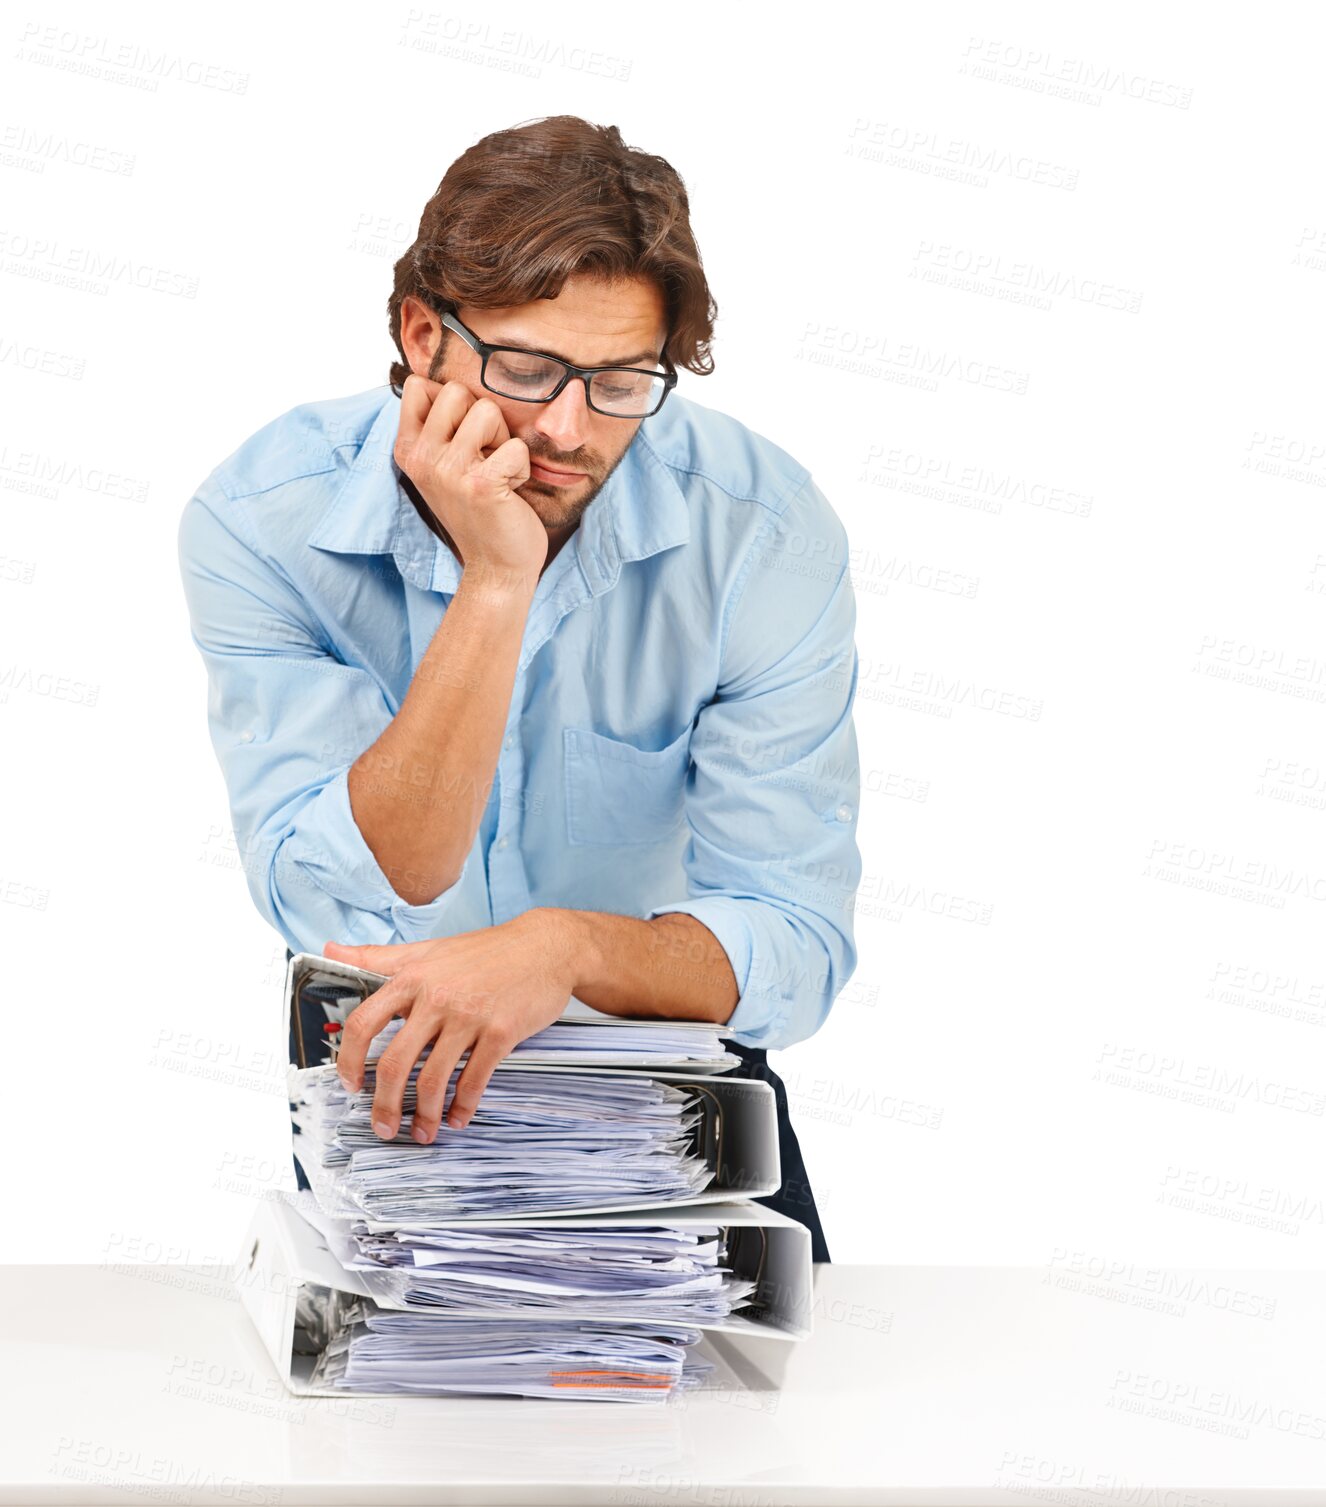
478	993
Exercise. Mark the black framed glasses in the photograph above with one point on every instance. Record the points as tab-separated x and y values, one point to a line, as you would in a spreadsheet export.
512	371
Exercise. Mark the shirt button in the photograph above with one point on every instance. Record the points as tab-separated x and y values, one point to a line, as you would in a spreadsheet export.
500	843
246	736
844	812
508	742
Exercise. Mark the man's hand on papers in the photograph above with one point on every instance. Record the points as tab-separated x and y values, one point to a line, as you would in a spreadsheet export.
478	992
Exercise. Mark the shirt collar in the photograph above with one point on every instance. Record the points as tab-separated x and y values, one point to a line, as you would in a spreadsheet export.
640	511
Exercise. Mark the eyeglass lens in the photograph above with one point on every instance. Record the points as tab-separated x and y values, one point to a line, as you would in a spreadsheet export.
617	390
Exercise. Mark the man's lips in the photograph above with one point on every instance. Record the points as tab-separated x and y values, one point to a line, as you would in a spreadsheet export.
552	473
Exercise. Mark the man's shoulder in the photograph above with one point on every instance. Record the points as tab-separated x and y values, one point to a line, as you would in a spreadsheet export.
311	439
704	444
741	486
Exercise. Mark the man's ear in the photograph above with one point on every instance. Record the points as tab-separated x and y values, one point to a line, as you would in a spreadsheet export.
422	334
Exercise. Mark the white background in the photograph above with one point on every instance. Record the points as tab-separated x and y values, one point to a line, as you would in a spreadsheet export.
1088	551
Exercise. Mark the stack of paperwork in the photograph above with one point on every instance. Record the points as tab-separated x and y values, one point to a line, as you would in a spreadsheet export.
539	1142
576	1240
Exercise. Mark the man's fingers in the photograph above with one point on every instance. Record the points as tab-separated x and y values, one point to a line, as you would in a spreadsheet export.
510	463
434	407
485	1055
417	397
482	428
392	1073
387	959
364	1022
431	1088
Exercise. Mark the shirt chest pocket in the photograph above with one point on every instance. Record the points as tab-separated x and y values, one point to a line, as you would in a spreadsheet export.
618	793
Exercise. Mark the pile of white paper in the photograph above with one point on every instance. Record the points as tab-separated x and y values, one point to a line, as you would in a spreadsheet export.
597	1040
538	1142
654	1272
380	1351
323	993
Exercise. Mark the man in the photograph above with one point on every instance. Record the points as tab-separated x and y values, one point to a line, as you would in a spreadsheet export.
530	677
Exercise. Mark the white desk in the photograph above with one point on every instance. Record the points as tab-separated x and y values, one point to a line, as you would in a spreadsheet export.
943	1386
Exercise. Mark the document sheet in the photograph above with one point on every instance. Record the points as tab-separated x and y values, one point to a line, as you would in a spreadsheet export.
626	1271
373	1350
539	1142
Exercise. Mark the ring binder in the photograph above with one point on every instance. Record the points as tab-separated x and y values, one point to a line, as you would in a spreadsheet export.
757	1303
322	989
289	1252
321	992
712	1119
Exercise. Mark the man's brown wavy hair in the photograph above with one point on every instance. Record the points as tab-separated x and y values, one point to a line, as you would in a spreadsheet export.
523	209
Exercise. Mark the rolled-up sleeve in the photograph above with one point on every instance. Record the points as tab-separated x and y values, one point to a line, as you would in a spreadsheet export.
282	712
772	865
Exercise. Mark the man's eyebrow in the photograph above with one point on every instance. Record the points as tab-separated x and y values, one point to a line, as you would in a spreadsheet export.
646	355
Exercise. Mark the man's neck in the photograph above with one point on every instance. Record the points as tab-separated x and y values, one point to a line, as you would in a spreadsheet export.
555	542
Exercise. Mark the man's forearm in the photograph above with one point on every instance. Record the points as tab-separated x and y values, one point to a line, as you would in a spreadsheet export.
672	967
418	793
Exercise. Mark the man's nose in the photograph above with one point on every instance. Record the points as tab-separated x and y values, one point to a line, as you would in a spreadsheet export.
564	422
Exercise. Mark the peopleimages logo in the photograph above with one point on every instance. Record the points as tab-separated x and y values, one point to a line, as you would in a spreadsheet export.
46	683
1195	1402
97	55
1151	1287
1040	71
1123	1064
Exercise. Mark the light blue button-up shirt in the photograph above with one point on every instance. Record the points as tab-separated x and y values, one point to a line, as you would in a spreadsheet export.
680	732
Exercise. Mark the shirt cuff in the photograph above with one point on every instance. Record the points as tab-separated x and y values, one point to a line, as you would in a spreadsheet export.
342	864
758	1017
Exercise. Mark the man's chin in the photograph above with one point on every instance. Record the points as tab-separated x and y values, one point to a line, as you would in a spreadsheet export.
558	507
